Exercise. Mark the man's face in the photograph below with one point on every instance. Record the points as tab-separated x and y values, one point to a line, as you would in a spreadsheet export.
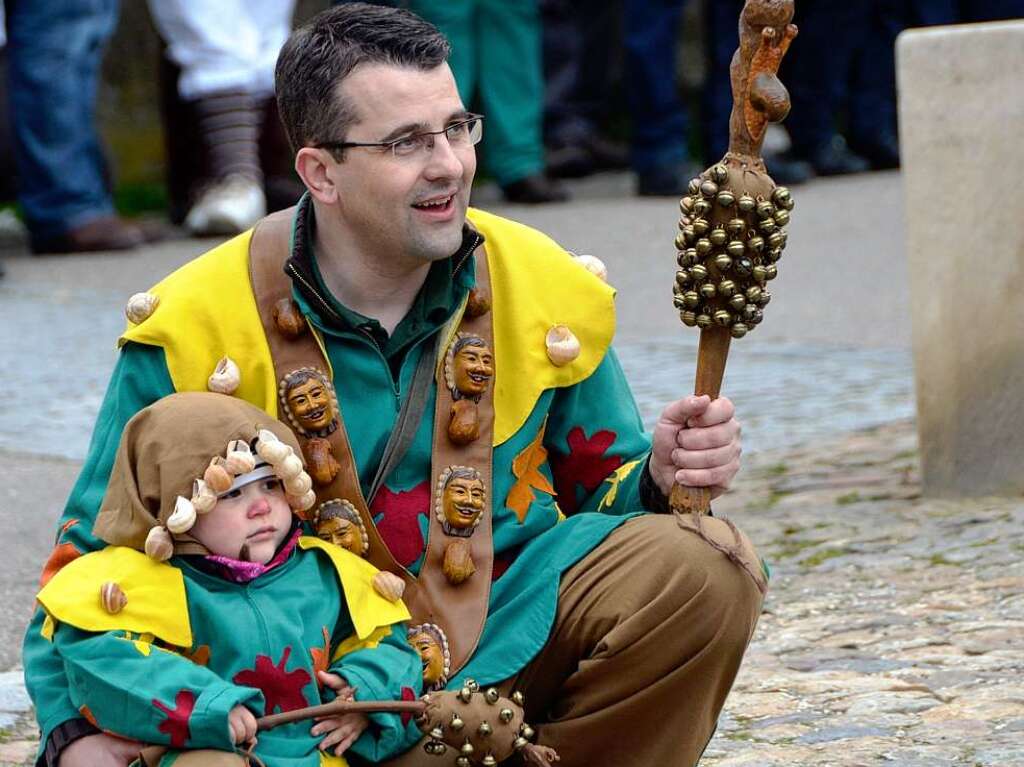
463	502
342	532
431	655
474	368
249	523
403	210
310	403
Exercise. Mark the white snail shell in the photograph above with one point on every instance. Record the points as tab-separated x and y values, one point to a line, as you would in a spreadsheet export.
112	597
183	516
203	498
217	477
388	585
158	544
594	265
303	502
562	345
140	307
239	458
298	486
225	377
270	448
289	468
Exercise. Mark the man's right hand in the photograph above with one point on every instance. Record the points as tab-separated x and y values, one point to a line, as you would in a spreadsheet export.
99	750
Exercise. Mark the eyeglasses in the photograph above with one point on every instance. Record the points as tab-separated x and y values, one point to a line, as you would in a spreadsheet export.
463	133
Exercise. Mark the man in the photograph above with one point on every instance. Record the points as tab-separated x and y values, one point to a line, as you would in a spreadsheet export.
602	619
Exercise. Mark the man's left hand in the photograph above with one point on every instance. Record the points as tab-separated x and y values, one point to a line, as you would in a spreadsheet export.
696	443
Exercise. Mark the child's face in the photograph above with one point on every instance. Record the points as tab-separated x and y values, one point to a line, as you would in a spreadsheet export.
256	516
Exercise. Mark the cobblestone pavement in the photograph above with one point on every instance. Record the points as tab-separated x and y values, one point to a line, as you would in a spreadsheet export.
892	631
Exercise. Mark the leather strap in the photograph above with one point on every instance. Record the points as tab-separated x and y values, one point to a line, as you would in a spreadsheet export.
460	610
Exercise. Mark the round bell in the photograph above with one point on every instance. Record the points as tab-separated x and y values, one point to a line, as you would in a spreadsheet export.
737	302
484	729
756	244
489	761
678	302
465	695
765	298
743	266
771	272
747	203
679	259
684	221
703	321
701	208
701	227
738	330
723	318
736	227
688	233
785	240
709	188
456	724
492	695
726	288
520	743
682	278
753	294
467	749
686	204
463	762
748	313
527	732
699	272
773	255
681	241
719	173
690	256
688	318
775	240
781	217
703	246
735	248
506	715
718	237
437	733
694	186
756	317
691	299
518	698
726	198
759	273
768	225
765	209
781	197
723	262
708	290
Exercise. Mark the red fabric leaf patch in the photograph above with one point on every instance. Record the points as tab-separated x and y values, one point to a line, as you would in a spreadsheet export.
281	689
62	554
176	724
407	694
585	465
399	520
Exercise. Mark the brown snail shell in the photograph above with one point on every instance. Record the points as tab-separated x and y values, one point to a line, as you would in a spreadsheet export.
112	597
388	585
323	467
594	265
140	307
477	303
217	477
288	318
458	563
183	516
159	545
562	345
464	422
225	377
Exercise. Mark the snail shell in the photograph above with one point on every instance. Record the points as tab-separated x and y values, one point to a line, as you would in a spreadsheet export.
217	477
303	502
203	498
183	516
298	486
270	448
288	318
112	597
388	585
140	307
289	468
158	544
464	422
594	265
225	377
458	562
562	346
477	303
323	467
239	458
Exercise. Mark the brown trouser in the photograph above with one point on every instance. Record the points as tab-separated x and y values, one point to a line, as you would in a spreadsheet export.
649	634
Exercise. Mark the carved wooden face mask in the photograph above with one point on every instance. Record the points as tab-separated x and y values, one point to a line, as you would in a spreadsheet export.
469	367
429	641
338	522
463	502
309	402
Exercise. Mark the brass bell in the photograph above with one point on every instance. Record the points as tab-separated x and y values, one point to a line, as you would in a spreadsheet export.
701	208
709	189
679	259
723	318
506	715
437	733
484	730
677	301
735	249
737	302
768	225
681	241
686	204
718	237
456	723
699	272
719	173
703	321
782	197
491	695
754	294
771	272
773	255
756	317
743	266
765	298
765	209
726	198
684	221
738	330
520	743
682	278
701	227
756	244
775	240
467	749
518	698
723	262
781	217
472	684
690	256
691	299
527	732
748	313
726	288
463	762
694	186
465	695
690	320
736	227
759	273
703	246
708	290
489	761
785	240
747	203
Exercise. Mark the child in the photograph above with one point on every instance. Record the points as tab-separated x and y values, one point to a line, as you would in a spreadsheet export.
230	613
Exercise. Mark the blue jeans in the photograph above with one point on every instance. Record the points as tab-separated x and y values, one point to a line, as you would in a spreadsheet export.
55	49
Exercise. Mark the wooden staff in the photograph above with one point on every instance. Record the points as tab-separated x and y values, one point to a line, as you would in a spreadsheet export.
732	227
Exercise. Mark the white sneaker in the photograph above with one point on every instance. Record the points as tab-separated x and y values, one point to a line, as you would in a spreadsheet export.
227	206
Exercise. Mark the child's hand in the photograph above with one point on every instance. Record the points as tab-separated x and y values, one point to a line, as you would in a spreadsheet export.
342	731
242	724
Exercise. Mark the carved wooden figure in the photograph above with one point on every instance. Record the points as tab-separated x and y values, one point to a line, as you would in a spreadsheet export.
732	227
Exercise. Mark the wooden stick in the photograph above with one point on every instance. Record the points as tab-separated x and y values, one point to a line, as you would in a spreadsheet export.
338	707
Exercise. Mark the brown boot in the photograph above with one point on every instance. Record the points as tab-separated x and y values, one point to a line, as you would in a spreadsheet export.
106	233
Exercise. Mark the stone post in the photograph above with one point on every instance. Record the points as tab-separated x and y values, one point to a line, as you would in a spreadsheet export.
962	142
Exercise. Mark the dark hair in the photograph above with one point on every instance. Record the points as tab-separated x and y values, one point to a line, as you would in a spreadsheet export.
319	55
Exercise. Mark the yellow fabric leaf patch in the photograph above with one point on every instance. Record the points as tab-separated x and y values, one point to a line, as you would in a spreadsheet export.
614	479
526	468
49	626
353	642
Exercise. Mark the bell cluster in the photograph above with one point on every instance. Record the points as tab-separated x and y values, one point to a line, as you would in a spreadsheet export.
729	245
